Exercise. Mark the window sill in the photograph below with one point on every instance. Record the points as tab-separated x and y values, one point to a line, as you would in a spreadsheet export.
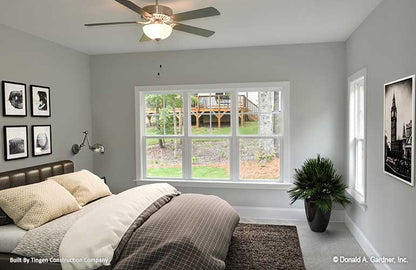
358	198
218	184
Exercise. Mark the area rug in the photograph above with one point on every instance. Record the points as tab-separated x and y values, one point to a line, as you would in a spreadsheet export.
265	247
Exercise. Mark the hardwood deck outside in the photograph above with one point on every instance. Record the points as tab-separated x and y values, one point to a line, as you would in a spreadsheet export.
217	105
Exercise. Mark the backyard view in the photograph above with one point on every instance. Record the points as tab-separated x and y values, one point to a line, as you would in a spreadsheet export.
258	114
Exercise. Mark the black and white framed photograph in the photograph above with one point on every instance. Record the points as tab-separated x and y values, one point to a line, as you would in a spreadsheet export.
15	142
42	140
14	99
41	101
399	111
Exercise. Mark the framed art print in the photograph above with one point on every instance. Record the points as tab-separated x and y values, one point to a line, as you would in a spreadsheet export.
399	112
14	99
42	140
41	101
15	142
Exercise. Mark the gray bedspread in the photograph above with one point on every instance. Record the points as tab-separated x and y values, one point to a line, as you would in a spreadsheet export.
44	241
190	232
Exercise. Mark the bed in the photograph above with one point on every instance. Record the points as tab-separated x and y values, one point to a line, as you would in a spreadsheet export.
147	227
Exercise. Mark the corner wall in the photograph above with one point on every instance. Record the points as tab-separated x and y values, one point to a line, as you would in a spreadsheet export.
317	110
386	44
31	60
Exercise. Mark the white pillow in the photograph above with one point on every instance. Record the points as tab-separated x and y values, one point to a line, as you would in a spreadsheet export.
33	205
83	185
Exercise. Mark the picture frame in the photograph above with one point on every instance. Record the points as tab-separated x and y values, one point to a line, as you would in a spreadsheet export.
41	140
14	99
399	129
40	101
15	142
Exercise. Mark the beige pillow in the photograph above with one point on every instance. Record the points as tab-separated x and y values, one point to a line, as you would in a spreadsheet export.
83	185
32	205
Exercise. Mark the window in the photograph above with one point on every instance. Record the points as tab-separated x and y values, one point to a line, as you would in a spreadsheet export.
213	132
357	141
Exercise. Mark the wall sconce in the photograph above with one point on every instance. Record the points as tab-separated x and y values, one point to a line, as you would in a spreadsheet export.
98	148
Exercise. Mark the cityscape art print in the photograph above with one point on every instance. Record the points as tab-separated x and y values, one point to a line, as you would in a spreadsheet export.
399	111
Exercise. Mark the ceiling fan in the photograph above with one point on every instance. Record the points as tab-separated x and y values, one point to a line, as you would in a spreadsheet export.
158	21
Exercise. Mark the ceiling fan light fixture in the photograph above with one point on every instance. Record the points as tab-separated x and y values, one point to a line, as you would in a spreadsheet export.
159	20
157	31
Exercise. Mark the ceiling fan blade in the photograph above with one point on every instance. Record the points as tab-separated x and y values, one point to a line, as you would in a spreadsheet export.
193	30
134	7
110	23
145	38
196	14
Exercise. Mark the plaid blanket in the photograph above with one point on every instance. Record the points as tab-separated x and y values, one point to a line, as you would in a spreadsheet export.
190	232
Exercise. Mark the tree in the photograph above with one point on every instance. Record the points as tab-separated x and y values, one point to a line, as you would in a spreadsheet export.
165	107
266	125
276	118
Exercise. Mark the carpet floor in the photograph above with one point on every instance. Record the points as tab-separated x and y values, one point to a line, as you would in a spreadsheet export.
265	247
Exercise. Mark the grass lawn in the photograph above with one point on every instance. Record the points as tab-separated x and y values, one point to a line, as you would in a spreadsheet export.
165	172
247	129
197	172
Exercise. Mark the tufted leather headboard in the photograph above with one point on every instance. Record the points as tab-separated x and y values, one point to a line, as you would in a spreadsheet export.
35	174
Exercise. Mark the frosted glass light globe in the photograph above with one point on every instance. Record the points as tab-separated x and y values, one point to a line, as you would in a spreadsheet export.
157	31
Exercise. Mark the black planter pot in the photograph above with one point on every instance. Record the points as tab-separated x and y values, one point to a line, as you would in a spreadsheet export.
318	220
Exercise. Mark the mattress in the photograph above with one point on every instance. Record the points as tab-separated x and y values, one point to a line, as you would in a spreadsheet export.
10	236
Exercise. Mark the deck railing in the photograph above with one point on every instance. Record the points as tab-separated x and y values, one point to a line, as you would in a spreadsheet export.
224	101
212	101
219	105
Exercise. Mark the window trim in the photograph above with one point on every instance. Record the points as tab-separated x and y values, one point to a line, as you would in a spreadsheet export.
360	198
234	88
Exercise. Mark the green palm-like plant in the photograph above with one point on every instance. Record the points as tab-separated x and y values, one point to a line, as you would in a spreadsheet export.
318	180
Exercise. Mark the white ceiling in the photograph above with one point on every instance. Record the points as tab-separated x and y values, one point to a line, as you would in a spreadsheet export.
242	23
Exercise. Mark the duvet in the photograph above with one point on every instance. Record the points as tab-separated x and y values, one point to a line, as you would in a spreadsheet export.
148	227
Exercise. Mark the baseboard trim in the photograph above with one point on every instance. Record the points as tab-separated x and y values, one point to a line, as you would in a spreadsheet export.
365	244
271	215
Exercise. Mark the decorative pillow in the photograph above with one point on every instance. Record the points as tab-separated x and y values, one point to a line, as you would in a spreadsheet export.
4	219
83	185
33	205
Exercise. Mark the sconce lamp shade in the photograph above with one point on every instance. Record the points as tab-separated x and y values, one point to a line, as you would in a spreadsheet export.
98	148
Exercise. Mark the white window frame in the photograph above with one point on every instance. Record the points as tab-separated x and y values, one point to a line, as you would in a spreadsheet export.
353	140
186	90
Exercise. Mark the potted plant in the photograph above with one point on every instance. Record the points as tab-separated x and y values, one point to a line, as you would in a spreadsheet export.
319	185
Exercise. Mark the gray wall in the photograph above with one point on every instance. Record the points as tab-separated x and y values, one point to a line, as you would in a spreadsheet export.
386	44
31	60
317	76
